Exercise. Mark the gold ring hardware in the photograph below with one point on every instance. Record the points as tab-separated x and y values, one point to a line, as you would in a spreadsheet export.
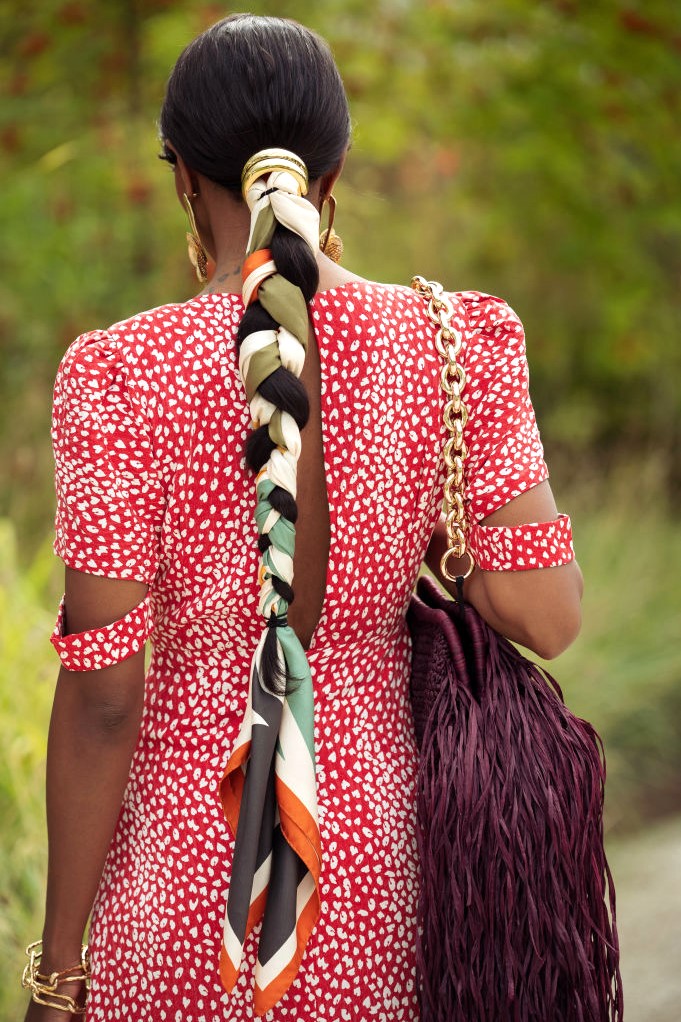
268	160
449	341
448	346
457	504
444	568
451	379
455	425
454	519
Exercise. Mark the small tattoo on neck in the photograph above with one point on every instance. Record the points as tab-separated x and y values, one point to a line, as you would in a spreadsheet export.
225	276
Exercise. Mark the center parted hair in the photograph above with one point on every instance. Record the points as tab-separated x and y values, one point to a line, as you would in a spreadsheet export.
241	93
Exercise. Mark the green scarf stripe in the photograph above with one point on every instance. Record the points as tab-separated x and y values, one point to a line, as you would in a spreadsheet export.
280	541
283	533
300	699
275	430
263	230
264	488
261	365
285	303
283	536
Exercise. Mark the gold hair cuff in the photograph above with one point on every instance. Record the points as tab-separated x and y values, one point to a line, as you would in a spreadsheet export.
267	160
45	988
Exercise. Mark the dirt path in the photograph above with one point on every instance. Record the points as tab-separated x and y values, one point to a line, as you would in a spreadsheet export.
647	870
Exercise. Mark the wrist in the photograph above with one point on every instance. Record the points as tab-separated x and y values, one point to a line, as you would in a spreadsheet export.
60	985
59	951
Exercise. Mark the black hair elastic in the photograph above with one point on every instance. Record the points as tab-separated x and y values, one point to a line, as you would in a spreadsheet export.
277	621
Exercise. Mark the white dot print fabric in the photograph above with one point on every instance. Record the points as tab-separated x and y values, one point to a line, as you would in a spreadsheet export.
150	421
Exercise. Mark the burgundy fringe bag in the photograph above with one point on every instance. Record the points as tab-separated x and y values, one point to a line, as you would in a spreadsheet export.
517	904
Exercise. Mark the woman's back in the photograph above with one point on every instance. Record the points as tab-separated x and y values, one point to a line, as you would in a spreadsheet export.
176	511
173	414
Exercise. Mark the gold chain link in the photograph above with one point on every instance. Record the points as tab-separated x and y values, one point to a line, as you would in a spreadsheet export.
448	342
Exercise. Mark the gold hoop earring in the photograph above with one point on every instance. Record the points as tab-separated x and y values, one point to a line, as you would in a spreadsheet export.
329	242
195	250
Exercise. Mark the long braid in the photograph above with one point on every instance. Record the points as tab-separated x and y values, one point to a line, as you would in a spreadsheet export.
269	787
272	340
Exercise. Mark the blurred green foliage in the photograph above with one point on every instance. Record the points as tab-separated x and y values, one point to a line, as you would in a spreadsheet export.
523	148
27	676
527	149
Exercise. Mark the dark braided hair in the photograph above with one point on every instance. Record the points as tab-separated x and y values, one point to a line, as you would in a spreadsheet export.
246	84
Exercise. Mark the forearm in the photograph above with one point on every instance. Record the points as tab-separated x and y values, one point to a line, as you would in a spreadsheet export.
90	748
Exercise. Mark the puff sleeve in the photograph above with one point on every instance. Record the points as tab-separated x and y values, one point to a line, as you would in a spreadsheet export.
109	495
505	453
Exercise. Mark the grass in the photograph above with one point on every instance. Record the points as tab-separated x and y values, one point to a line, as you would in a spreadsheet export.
623	674
28	672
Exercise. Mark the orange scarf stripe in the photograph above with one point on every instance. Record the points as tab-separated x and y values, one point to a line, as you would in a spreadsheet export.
264	1000
232	786
254	260
228	974
299	828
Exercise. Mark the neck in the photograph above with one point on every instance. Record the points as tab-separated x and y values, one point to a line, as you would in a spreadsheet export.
224	223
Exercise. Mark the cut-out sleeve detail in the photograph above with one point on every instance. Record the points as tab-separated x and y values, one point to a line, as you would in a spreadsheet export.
102	647
522	547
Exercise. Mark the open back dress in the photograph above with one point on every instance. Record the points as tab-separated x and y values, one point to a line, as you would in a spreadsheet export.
150	419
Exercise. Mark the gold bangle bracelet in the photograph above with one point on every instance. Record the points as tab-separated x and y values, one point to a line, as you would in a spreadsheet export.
44	987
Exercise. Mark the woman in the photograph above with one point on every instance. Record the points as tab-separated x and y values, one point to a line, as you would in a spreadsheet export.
155	524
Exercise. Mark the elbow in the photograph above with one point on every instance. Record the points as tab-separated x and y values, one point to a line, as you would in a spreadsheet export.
557	612
105	708
109	720
556	634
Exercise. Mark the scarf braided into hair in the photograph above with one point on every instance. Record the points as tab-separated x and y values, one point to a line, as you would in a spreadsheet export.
269	787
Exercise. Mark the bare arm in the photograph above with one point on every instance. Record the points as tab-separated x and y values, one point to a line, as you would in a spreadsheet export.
93	733
540	609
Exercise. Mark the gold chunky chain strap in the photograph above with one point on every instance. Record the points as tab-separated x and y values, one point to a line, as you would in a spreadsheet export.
448	341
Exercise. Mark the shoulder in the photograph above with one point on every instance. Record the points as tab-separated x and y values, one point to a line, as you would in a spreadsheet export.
158	333
140	353
485	312
366	307
174	333
364	296
496	339
490	314
495	332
